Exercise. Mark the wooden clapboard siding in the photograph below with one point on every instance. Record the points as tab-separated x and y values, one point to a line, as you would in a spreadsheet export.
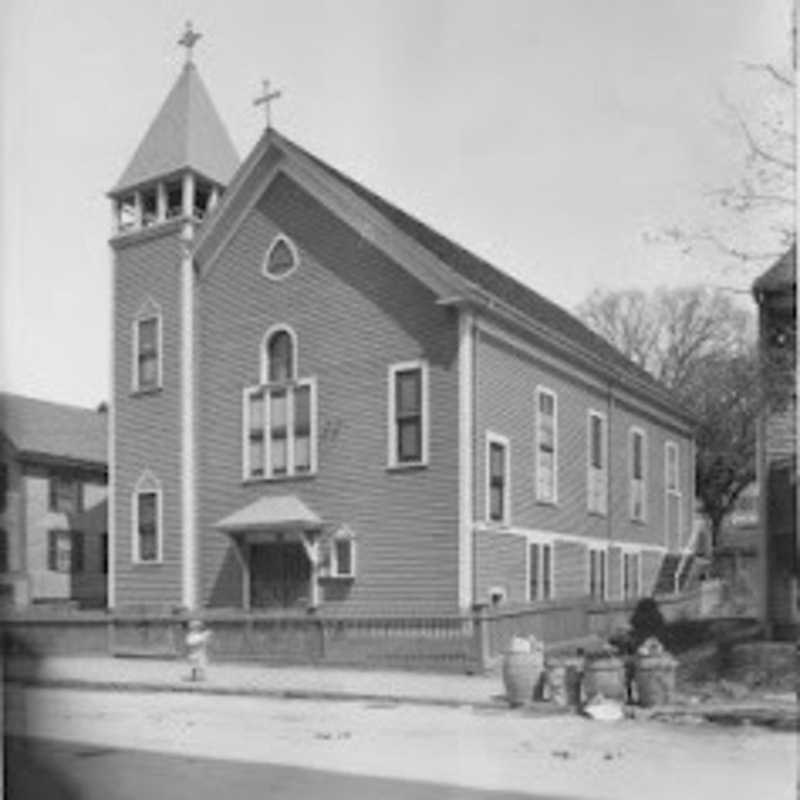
147	426
355	312
500	561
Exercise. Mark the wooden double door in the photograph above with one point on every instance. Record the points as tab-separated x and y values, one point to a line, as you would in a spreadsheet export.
280	575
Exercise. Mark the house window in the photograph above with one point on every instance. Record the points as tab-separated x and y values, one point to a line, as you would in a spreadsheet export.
598	566
147	360
671	458
540	571
280	414
638	475
59	551
343	555
631	565
66	494
672	487
408	414
3	550
497	479
281	259
546	446
147	519
597	482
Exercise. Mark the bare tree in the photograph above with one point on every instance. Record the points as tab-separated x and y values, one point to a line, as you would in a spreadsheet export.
700	344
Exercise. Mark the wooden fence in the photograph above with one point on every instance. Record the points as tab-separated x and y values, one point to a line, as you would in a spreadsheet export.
447	643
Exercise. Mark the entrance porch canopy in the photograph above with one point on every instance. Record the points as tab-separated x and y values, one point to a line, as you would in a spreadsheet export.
262	521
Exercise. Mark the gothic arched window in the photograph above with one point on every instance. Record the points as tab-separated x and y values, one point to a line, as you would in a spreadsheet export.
280	357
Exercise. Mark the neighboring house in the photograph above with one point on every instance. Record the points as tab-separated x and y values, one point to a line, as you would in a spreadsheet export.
319	401
775	292
53	524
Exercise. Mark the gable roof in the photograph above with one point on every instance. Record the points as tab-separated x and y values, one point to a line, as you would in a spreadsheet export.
782	275
54	430
187	132
494	281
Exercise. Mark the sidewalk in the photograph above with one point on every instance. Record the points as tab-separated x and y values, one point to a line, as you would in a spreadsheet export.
380	686
157	675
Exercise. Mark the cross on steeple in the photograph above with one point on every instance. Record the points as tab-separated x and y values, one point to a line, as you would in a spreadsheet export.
265	98
189	40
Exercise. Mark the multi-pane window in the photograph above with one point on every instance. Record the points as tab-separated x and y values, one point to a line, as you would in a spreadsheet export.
147	525
597	573
638	475
672	487
671	457
497	487
281	259
66	494
631	563
597	482
546	446
59	551
408	409
279	416
540	571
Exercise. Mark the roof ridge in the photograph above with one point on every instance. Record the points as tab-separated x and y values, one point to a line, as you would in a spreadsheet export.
44	401
385	206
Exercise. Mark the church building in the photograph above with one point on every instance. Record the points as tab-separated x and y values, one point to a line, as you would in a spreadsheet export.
319	402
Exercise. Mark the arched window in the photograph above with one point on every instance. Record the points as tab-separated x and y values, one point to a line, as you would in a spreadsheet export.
280	357
281	258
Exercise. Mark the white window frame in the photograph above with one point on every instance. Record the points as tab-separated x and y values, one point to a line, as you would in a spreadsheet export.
540	544
278	239
590	551
543	390
626	554
149	311
392	461
291	473
635	431
503	441
670	492
593	474
343	535
147	484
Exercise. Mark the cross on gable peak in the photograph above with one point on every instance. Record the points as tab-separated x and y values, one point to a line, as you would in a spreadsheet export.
189	40
265	99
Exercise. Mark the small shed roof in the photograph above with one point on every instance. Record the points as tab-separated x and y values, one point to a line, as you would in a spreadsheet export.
286	512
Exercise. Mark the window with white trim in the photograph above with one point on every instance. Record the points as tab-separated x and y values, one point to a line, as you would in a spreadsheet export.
408	414
59	551
281	258
672	488
637	471
147	353
671	468
598	573
343	554
540	571
546	446
279	414
631	575
147	516
498	494
597	475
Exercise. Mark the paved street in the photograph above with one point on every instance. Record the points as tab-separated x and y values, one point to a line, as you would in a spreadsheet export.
288	747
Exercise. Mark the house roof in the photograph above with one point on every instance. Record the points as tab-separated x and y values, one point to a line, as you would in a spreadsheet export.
187	133
54	430
267	513
782	275
495	282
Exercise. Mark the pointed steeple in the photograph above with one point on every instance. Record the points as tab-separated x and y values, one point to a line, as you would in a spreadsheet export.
186	134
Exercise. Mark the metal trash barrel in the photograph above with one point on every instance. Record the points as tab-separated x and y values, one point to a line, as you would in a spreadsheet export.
521	673
605	676
654	678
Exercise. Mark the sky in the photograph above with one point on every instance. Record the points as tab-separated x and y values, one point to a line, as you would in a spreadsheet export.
548	137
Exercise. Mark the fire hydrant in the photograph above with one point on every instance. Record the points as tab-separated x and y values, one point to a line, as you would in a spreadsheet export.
197	649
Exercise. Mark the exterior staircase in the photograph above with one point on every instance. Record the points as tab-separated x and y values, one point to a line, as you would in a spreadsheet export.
666	581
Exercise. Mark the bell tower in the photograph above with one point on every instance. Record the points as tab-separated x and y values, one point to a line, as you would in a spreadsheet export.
173	181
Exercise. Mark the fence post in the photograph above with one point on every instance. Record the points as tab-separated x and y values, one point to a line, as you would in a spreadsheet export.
480	633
